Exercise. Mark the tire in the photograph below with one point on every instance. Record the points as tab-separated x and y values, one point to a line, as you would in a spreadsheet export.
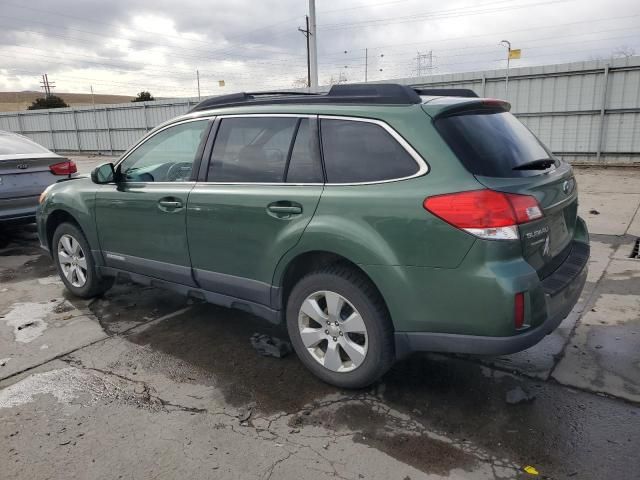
71	253
372	351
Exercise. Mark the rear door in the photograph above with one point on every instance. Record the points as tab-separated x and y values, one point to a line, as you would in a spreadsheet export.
505	156
262	187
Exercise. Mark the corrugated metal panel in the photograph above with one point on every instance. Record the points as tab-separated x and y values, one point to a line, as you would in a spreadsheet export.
10	123
559	103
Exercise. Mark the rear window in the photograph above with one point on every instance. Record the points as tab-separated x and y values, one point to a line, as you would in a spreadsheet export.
492	144
357	152
18	145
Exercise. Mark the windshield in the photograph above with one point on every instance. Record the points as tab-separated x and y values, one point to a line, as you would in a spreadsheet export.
493	143
11	144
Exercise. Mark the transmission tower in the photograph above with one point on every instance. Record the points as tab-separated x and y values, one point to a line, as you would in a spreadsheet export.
424	63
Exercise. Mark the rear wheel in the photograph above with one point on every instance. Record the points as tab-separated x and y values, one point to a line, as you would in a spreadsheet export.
72	255
340	327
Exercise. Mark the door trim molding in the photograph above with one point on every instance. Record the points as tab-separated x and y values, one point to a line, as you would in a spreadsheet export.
234	286
151	268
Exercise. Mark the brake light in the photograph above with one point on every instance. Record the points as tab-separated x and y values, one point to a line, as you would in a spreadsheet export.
63	168
485	213
518	310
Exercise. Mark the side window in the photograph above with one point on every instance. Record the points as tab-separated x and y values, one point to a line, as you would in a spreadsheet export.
356	151
167	156
305	166
252	149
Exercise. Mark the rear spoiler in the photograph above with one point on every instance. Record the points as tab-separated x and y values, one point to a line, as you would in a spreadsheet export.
446	92
482	105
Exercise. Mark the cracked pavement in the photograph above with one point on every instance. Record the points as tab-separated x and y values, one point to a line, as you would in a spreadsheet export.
142	383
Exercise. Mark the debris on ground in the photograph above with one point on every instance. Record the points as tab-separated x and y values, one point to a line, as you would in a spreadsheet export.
531	470
594	212
269	346
245	413
519	395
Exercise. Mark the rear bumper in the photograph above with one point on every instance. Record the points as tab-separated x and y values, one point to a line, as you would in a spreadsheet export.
470	309
22	209
558	306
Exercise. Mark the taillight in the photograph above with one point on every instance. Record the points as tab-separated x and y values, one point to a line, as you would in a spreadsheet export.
485	213
518	311
63	168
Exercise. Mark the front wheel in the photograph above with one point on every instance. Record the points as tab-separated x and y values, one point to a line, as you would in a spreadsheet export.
340	328
73	259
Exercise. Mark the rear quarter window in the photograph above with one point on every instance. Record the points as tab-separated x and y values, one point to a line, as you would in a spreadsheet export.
358	151
492	143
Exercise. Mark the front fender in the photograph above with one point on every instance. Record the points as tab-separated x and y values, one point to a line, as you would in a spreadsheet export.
77	199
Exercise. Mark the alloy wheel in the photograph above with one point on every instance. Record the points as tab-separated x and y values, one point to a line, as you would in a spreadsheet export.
333	331
72	260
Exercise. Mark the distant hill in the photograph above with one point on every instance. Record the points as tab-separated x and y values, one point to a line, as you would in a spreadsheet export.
16	101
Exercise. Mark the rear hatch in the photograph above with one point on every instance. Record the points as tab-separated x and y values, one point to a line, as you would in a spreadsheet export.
24	167
505	156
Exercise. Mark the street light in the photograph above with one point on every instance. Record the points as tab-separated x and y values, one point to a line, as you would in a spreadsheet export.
507	44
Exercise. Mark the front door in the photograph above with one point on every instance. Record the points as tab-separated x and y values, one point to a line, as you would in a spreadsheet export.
263	185
141	218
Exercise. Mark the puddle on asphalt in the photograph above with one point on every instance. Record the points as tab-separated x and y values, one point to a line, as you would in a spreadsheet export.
386	433
560	430
126	305
37	267
214	343
22	240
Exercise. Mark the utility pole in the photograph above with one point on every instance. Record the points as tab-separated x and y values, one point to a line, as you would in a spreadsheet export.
95	119
306	33
506	43
47	85
198	79
366	64
313	46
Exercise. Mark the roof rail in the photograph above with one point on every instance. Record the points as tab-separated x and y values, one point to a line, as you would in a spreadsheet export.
446	92
378	93
353	93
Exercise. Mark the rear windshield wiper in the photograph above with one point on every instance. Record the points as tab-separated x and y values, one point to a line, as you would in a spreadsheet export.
540	164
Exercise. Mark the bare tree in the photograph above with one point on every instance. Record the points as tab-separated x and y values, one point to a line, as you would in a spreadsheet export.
300	82
623	51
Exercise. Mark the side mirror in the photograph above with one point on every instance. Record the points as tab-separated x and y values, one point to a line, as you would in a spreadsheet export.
102	174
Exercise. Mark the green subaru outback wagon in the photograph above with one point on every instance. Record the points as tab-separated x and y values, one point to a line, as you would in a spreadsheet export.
374	220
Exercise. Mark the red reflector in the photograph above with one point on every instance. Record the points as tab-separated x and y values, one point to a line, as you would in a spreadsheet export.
518	311
63	168
483	208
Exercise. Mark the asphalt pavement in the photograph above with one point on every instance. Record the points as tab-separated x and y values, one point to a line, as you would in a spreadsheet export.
142	383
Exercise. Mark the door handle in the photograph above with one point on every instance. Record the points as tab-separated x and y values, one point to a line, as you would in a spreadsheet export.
169	204
284	209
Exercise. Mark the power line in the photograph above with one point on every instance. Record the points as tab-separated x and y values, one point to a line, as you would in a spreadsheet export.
503	33
453	13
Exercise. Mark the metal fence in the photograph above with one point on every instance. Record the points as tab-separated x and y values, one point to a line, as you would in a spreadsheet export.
586	112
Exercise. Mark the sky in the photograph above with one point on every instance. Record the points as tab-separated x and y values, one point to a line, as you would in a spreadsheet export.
126	46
